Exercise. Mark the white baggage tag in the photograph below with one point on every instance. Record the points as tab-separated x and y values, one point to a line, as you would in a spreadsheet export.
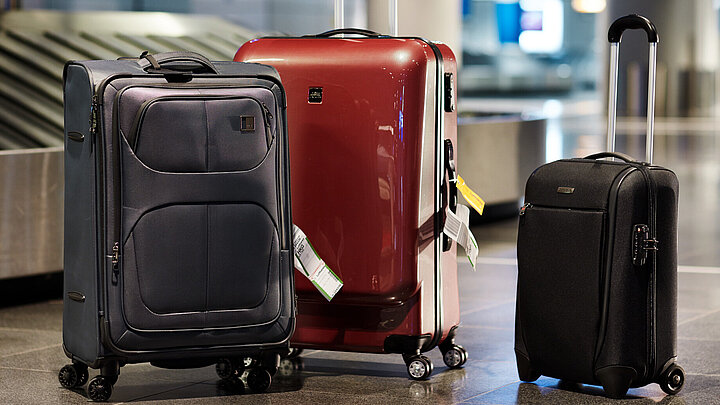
457	227
309	263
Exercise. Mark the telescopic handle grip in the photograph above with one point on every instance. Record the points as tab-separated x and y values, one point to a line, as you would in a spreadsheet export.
632	22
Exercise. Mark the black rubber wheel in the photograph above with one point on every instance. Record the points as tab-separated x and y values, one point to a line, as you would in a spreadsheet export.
259	380
99	389
294	353
455	357
68	376
419	367
229	368
83	374
673	380
232	384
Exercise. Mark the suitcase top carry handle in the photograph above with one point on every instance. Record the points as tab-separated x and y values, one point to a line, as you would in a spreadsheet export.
615	32
632	22
156	61
341	31
621	156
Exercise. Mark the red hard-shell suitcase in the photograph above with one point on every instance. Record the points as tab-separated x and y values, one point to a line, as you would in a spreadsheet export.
372	126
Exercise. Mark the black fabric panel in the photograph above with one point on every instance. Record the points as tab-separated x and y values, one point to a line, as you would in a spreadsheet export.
559	262
625	339
80	325
241	242
172	136
256	186
171	250
257	330
666	301
590	179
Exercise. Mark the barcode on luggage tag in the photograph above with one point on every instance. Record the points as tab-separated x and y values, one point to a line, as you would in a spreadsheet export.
458	229
309	263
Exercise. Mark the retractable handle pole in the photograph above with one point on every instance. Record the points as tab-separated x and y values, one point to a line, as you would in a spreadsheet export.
339	6
632	21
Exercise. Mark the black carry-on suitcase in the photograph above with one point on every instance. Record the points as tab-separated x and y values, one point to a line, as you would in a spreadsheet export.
597	263
178	235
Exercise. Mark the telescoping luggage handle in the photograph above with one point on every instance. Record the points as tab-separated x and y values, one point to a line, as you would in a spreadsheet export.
155	62
632	21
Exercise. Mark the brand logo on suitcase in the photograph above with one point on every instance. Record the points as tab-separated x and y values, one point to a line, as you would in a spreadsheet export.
566	190
242	123
315	95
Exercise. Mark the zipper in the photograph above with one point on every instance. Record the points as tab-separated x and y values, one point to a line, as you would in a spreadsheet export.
93	115
115	258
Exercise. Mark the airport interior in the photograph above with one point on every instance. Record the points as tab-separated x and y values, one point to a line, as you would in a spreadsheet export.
531	88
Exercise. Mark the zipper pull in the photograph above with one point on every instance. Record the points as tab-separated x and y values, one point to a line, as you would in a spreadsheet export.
115	260
522	212
93	115
524	208
268	114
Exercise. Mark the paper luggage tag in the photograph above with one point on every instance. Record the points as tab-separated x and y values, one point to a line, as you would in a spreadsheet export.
458	229
309	263
470	196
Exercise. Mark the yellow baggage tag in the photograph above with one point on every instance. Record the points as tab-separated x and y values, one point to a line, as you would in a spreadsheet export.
309	263
470	196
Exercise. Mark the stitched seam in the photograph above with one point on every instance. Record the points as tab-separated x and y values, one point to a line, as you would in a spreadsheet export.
207	138
207	261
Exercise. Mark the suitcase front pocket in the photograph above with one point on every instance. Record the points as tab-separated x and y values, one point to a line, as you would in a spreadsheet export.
560	262
200	266
192	130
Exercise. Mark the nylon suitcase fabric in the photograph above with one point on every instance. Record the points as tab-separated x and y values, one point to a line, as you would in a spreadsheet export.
372	131
178	246
597	264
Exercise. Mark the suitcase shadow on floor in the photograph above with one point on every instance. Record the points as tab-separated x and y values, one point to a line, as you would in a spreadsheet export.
565	392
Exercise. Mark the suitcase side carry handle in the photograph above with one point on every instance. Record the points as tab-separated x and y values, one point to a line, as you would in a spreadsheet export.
617	155
155	62
341	31
615	32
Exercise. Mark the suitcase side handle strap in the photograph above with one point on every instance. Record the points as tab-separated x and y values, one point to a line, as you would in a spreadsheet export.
632	22
156	61
340	31
621	156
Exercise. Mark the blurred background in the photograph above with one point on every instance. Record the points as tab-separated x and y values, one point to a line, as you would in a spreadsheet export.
531	83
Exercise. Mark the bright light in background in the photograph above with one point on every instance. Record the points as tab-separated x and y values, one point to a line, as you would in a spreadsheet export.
552	109
588	6
546	32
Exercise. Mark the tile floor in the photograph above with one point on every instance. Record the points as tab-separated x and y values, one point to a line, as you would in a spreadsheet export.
30	335
30	355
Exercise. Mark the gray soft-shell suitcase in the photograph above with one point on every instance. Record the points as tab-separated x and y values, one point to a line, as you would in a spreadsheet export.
178	235
597	263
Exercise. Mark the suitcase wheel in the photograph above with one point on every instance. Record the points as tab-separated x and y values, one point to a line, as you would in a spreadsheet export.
229	368
455	356
419	367
293	354
259	379
100	389
73	375
673	379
